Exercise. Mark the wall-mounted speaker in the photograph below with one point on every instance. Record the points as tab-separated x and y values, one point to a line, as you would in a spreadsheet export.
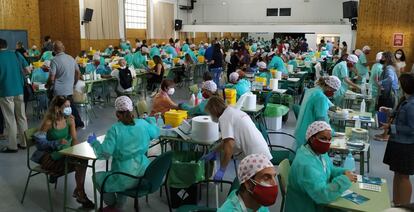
87	16
350	9
178	24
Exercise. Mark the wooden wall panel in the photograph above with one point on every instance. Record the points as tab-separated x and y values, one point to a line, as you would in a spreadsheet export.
377	22
21	14
132	34
60	19
101	44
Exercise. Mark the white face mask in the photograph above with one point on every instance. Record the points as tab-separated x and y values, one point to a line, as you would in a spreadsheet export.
171	91
398	56
67	111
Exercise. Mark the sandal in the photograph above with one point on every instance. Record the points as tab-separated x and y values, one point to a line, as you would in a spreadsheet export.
83	199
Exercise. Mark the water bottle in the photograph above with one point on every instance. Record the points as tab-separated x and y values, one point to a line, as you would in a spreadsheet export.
363	89
160	121
192	100
357	123
349	163
363	105
199	96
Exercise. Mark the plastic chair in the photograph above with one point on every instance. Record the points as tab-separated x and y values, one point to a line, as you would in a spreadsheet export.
187	208
150	182
283	177
33	171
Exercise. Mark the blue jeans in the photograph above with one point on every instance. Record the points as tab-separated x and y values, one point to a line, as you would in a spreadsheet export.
216	72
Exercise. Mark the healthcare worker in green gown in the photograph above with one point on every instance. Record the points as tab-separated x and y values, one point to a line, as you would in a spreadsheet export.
129	57
125	45
208	90
341	70
258	187
47	55
315	106
126	142
277	63
362	65
374	81
242	86
139	60
33	52
264	72
109	50
170	50
313	180
154	51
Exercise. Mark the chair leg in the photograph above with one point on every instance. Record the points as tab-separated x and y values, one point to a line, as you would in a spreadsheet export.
136	204
56	184
25	188
282	206
146	199
49	194
168	197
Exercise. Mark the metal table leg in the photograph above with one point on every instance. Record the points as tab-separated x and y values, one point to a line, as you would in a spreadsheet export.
65	187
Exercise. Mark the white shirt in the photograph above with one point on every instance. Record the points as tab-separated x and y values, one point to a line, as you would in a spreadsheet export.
237	125
115	73
400	65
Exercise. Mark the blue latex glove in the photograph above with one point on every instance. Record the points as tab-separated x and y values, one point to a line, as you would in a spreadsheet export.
219	174
209	156
92	138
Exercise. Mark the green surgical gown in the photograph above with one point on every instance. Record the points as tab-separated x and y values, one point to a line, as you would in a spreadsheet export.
341	71
314	107
197	110
127	145
232	203
278	64
362	69
138	61
313	182
375	72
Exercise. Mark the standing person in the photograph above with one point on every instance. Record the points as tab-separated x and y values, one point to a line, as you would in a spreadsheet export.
216	64
20	48
33	52
304	46
64	74
376	72
362	65
329	47
240	136
47	45
234	62
13	67
399	153
389	82
313	180
127	142
258	187
400	61
341	70
315	106
344	48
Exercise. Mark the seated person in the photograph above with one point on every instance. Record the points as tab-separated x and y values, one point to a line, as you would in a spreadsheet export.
242	86
109	50
47	55
34	52
264	72
58	132
162	101
116	52
170	50
313	180
292	61
97	67
154	51
156	74
128	57
126	142
124	76
40	75
208	90
138	59
258	187
276	62
125	45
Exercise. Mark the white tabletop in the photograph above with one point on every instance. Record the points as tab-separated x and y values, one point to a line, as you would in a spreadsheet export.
293	79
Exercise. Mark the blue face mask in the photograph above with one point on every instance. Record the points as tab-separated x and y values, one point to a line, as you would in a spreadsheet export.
67	111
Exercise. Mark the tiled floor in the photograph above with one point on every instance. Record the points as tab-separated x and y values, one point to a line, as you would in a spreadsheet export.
14	172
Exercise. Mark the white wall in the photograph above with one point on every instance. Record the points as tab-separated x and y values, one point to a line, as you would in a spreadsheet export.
254	11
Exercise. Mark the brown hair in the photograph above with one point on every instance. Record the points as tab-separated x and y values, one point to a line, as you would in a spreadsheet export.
52	114
126	117
322	83
215	106
165	84
389	59
407	83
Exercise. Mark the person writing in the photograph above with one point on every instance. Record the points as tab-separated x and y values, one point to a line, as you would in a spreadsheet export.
58	132
315	106
313	179
126	142
242	86
162	101
239	134
258	188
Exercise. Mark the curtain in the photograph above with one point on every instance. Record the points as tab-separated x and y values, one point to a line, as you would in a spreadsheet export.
163	20
105	20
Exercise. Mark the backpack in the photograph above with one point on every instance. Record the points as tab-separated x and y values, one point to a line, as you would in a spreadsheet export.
125	78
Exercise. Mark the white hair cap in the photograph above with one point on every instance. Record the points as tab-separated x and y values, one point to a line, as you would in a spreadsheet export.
366	48
210	85
123	103
262	65
234	76
46	63
96	56
316	127
352	58
358	52
333	82
251	165
378	57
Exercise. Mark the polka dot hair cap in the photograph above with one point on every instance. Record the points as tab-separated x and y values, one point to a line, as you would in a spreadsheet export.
123	103
316	127
251	165
333	82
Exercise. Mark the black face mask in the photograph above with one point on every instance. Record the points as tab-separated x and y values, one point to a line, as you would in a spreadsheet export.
382	61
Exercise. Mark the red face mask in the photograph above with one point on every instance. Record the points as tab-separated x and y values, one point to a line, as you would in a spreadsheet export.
205	95
97	63
329	93
264	194
319	146
350	65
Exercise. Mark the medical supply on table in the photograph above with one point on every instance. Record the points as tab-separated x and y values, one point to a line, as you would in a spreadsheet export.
363	106
204	130
349	163
231	95
175	117
192	100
